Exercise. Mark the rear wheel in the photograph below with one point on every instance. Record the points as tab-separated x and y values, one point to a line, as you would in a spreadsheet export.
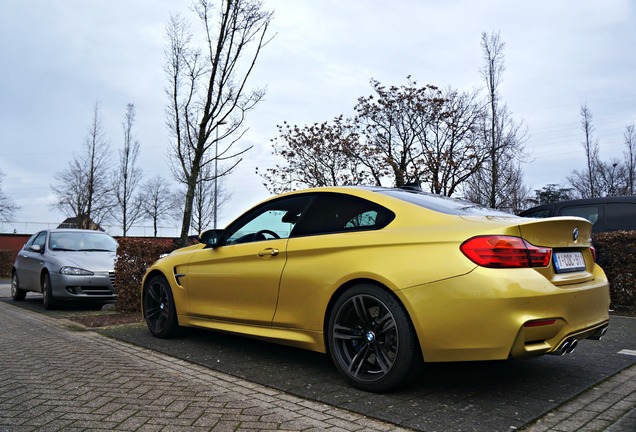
159	309
371	339
47	292
16	293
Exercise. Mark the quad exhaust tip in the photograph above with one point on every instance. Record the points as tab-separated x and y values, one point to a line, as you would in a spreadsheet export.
566	347
569	345
599	334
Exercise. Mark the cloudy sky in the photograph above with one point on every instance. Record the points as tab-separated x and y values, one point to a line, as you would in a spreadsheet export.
61	56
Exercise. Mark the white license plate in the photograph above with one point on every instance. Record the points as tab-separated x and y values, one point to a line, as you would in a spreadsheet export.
569	262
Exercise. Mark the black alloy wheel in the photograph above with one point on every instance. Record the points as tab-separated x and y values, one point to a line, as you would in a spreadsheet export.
159	309
371	339
17	294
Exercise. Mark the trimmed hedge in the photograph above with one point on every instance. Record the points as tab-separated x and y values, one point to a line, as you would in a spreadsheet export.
134	256
7	258
616	254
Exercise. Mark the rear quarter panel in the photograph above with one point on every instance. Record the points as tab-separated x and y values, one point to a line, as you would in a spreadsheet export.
396	258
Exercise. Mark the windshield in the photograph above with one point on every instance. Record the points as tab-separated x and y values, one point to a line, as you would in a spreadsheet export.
441	203
82	241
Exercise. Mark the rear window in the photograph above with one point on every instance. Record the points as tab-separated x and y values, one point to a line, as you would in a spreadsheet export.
442	204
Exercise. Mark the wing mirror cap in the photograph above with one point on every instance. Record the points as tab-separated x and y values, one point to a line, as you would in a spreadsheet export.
210	237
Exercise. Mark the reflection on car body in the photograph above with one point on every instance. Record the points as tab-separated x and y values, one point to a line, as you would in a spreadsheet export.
66	264
383	278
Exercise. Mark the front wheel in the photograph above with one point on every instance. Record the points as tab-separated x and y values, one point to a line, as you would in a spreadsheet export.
17	294
159	309
371	339
50	302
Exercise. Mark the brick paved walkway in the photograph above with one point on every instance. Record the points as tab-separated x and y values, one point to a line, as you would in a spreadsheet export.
610	407
53	378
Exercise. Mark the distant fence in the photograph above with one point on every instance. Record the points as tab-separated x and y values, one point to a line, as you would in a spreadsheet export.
114	230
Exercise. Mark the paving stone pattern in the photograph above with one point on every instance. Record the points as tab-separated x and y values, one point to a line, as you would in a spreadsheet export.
56	376
470	396
53	378
609	407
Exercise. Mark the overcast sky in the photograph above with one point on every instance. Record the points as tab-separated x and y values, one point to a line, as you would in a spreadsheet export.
59	57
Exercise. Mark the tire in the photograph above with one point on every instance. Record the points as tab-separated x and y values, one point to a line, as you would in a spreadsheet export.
16	293
49	300
371	339
159	308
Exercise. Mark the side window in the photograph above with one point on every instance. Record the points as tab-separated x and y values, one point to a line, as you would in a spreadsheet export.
590	212
270	221
331	213
620	216
40	240
367	219
29	242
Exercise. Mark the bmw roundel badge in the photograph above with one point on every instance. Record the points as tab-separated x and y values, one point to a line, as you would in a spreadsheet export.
575	234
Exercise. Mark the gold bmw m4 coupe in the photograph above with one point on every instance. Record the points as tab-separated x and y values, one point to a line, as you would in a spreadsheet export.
383	279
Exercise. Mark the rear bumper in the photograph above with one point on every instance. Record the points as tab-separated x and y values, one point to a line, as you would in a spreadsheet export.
493	314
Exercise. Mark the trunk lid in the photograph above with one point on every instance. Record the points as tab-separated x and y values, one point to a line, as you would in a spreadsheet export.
569	238
557	232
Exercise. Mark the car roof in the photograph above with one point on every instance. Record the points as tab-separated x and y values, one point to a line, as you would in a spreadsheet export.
74	230
410	196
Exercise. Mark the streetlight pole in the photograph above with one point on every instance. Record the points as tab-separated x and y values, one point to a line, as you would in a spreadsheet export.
216	172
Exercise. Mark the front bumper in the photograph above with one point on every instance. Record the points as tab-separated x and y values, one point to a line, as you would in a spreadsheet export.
99	286
494	314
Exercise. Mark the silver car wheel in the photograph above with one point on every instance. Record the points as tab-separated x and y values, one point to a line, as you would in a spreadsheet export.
16	293
47	293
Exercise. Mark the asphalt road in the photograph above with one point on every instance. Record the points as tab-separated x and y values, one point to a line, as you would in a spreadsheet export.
482	396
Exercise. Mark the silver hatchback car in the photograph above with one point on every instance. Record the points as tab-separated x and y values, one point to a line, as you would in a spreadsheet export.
66	264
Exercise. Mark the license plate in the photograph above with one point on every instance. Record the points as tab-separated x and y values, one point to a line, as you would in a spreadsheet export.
569	262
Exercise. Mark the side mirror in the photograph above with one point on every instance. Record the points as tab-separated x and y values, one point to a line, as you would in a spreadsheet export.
210	237
36	248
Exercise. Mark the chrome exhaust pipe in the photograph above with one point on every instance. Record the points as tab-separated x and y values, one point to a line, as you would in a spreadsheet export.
573	345
562	350
598	334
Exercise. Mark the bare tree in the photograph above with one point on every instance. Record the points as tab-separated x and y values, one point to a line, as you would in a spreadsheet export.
325	154
208	91
449	139
205	207
405	134
84	189
630	157
157	200
7	205
590	145
127	177
498	180
391	119
611	178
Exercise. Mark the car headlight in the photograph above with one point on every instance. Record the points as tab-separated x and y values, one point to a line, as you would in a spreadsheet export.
75	271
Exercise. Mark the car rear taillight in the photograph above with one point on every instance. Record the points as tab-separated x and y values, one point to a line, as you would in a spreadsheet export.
593	250
496	251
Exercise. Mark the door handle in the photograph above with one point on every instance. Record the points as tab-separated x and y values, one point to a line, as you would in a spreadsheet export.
269	252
